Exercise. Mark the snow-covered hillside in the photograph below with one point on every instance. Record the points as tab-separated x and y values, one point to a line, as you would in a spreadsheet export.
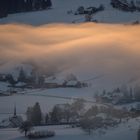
58	14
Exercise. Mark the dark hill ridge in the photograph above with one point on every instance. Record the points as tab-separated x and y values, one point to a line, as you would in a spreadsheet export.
17	6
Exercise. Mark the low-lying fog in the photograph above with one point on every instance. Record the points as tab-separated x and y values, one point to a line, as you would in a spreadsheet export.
84	49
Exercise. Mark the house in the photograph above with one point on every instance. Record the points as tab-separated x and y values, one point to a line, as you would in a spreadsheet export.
53	82
20	85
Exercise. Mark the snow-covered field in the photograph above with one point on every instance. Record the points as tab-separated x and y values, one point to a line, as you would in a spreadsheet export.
127	131
41	96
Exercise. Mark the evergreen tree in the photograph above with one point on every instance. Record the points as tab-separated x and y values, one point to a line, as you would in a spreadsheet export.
49	3
36	114
37	4
133	4
3	8
47	118
131	93
104	92
29	114
125	91
138	135
15	6
67	112
22	76
41	80
10	79
56	115
28	5
11	5
137	93
44	4
20	5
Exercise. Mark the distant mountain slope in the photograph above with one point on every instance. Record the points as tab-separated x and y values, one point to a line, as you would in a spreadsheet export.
58	13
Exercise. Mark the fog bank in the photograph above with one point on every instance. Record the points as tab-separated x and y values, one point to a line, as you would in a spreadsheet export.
85	49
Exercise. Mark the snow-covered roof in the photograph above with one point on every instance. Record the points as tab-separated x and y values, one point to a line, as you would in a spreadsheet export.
117	94
102	115
11	122
71	83
4	86
20	84
54	80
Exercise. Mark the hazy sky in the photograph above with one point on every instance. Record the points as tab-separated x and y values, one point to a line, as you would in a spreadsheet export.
85	48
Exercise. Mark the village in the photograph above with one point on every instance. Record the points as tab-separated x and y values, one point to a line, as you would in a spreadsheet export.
36	80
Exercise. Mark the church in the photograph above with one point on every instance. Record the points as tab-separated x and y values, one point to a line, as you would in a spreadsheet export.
12	122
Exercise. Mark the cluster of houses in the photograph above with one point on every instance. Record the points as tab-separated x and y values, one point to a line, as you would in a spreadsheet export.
39	81
125	5
115	97
89	10
53	82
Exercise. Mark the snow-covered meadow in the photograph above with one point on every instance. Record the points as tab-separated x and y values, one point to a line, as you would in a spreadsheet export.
128	131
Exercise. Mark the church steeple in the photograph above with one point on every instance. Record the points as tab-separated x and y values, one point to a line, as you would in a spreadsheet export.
15	111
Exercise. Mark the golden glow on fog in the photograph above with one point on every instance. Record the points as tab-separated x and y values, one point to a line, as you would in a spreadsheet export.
100	47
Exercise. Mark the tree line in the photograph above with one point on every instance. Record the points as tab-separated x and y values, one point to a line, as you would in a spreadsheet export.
124	5
16	6
63	113
76	114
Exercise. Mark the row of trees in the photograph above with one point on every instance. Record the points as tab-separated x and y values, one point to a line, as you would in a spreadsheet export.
88	119
34	114
103	117
16	6
125	5
23	77
64	113
58	113
67	112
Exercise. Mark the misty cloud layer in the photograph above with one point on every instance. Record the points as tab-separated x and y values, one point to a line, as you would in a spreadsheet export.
85	48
